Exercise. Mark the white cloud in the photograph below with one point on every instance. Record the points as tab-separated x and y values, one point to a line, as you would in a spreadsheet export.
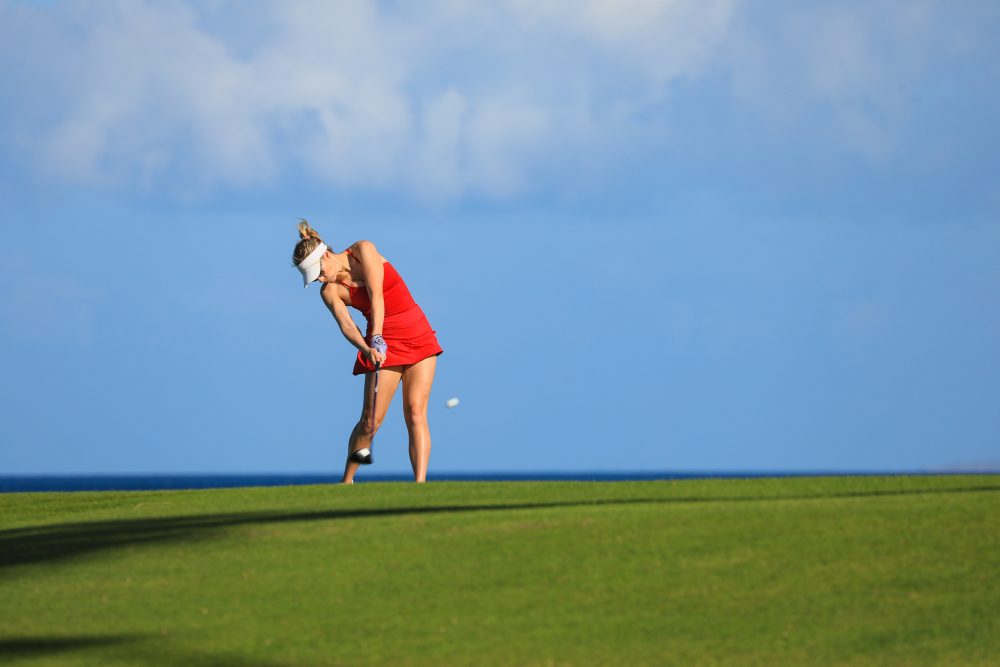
437	98
851	68
440	161
454	98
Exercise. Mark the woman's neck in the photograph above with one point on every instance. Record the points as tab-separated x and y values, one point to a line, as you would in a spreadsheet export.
343	267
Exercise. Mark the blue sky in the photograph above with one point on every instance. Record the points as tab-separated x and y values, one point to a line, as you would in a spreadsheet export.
677	235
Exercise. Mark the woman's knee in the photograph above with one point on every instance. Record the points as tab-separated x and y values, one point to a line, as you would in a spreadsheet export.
366	428
415	415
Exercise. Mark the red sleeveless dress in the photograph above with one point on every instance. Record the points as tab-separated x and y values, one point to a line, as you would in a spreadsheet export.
405	327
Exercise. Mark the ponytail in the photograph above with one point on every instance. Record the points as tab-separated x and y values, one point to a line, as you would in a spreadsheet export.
309	240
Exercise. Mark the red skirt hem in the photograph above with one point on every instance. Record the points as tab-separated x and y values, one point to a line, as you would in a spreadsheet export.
361	365
410	340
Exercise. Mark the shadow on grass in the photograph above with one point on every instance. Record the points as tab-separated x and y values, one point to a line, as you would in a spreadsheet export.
13	648
137	649
26	546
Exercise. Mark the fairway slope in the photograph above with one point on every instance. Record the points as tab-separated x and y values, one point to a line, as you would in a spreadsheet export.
818	570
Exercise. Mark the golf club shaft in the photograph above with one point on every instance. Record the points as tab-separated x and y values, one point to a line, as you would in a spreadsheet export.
371	411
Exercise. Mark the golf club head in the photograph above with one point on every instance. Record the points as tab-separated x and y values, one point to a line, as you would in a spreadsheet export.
362	456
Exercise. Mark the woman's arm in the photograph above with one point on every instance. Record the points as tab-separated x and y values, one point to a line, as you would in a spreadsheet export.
340	313
371	264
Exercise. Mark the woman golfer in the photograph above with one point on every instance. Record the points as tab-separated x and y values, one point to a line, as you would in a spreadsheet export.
398	346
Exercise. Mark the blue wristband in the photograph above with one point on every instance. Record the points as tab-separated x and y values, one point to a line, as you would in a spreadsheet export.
378	343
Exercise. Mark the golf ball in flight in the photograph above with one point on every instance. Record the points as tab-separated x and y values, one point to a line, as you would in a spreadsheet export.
451	402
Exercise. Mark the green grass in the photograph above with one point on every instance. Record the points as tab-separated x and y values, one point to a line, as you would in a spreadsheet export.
803	571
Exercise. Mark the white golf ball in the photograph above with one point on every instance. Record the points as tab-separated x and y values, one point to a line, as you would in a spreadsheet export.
451	402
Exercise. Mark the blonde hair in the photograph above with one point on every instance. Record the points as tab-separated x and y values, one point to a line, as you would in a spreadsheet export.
309	240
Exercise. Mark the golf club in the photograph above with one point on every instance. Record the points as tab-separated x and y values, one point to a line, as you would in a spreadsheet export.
364	455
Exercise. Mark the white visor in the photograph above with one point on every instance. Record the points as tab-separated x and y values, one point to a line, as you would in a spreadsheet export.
310	266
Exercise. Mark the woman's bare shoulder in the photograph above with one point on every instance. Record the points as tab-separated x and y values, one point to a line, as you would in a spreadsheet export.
366	248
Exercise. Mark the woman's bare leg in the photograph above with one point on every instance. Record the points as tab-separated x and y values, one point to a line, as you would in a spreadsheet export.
417	381
362	436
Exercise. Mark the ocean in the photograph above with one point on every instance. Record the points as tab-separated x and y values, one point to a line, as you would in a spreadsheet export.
24	483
